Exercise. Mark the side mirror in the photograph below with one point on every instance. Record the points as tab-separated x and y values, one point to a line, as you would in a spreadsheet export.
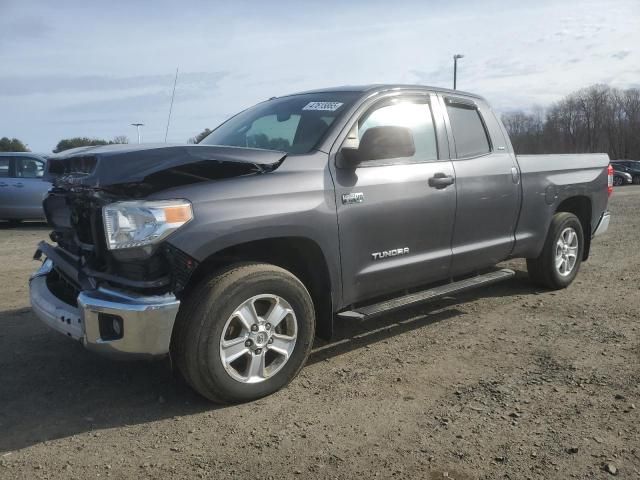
378	143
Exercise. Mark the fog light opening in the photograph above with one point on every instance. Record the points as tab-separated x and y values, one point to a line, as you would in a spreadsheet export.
116	324
111	326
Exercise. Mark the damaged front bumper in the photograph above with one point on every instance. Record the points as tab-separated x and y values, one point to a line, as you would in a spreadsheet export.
106	320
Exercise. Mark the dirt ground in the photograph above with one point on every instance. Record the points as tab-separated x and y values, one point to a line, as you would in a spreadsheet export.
509	381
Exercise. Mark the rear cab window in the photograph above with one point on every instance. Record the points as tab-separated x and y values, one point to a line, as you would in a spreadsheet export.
468	128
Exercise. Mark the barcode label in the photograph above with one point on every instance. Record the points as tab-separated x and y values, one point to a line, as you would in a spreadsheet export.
323	106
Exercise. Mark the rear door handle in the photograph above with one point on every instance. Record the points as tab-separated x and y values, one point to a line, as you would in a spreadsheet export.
19	185
515	175
440	180
4	184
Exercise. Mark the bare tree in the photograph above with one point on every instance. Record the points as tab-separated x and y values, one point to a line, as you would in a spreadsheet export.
594	119
198	138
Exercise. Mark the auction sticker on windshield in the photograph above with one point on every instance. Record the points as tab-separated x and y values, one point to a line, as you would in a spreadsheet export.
323	106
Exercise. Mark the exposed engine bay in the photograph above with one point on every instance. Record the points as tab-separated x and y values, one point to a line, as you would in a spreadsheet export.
87	180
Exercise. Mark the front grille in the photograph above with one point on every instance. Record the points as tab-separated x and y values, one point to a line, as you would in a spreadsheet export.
182	266
62	288
80	166
148	269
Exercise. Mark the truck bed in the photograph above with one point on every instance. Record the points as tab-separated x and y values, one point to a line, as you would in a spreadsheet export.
547	181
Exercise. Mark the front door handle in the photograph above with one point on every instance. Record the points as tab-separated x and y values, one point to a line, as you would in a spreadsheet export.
4	184
440	180
19	185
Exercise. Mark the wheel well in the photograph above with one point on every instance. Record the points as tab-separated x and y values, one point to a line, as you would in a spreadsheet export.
581	208
300	256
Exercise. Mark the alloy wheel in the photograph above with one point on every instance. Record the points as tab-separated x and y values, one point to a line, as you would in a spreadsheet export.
566	251
258	338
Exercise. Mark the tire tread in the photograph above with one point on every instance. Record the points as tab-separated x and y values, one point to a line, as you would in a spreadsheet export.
188	340
541	270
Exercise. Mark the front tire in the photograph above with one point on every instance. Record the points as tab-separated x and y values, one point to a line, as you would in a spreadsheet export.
617	181
636	180
244	333
561	256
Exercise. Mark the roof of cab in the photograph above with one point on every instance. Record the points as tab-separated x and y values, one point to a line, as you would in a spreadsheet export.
381	87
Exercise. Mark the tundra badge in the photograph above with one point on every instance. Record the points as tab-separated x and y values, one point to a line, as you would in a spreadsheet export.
349	198
390	253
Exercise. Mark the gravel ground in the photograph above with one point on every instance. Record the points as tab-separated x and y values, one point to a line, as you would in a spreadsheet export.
509	381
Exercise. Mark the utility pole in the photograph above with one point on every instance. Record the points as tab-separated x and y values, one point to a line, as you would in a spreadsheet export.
138	125
455	68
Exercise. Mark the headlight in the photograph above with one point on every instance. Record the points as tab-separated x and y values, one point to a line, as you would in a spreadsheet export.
135	224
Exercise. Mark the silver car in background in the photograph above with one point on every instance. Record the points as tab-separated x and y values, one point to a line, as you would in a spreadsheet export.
22	188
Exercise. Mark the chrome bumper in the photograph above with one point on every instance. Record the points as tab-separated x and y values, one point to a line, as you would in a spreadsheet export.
147	321
603	224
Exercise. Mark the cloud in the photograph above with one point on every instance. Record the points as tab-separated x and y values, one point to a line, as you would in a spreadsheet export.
621	55
52	84
131	104
439	75
21	30
82	68
502	68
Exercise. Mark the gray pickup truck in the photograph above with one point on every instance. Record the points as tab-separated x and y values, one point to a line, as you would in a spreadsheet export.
343	203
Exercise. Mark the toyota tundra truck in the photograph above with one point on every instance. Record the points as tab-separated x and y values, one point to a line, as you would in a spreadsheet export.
231	255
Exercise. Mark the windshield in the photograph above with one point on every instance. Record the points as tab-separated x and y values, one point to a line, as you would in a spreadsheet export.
292	124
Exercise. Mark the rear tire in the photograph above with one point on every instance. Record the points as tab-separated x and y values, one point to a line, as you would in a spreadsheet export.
216	321
561	256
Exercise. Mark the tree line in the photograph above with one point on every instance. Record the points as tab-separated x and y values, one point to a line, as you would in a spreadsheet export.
68	143
15	145
198	138
594	119
12	145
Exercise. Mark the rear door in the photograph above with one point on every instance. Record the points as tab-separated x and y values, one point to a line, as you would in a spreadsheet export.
395	229
487	186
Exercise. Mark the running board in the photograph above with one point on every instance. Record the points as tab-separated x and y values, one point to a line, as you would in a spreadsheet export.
369	311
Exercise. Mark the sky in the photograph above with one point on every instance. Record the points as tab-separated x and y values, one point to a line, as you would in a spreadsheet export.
91	68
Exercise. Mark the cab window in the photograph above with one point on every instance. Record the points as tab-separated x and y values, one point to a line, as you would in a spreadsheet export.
413	114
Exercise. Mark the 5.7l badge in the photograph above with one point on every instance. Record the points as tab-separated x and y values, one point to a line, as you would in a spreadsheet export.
349	198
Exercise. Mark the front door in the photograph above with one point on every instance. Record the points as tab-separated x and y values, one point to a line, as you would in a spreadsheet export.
395	229
487	186
28	187
6	171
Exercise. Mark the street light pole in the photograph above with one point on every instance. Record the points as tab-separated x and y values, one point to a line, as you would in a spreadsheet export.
455	68
138	125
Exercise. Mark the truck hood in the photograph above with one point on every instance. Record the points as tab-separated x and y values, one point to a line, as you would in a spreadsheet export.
156	166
